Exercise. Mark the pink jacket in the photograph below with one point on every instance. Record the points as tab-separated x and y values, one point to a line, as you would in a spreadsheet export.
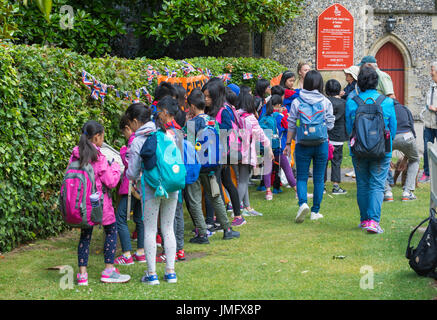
253	134
124	154
105	174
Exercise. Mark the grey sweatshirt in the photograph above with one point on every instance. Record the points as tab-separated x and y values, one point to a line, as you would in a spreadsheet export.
311	97
134	168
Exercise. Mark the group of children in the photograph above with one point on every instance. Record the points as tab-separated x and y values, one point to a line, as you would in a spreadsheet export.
264	118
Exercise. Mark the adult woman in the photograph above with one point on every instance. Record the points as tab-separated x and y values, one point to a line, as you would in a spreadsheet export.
371	174
351	79
302	70
312	99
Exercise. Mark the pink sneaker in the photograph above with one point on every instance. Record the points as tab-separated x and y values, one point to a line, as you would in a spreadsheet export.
424	178
269	195
123	260
140	259
364	224
374	227
82	279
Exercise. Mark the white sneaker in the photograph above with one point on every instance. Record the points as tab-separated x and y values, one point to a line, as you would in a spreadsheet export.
302	212
316	216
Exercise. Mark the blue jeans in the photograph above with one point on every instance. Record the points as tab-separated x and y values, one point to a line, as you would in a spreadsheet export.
429	135
303	156
371	176
122	228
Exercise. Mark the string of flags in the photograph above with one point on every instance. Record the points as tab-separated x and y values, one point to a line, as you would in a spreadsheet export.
100	90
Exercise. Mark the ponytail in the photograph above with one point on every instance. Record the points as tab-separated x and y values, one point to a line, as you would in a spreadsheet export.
87	151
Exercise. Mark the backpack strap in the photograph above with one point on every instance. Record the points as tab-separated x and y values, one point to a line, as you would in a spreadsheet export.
358	100
380	99
409	248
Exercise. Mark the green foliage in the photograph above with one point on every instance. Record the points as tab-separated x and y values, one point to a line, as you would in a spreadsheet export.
210	19
8	27
91	32
43	105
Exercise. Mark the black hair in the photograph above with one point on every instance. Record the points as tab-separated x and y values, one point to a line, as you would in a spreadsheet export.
181	92
165	89
245	89
140	112
367	78
274	100
217	93
313	81
197	99
170	104
124	121
285	76
261	87
246	102
231	96
278	90
87	152
332	88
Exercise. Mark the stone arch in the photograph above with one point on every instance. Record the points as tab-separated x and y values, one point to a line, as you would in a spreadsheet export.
399	43
410	64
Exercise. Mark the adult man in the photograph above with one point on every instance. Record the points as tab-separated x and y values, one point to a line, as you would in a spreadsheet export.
405	141
429	118
385	84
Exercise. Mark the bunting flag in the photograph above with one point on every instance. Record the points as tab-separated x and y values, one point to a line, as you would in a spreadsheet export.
174	74
95	93
103	91
260	77
86	81
225	77
247	76
126	95
137	94
147	94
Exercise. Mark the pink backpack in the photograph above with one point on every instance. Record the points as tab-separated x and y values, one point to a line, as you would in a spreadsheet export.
235	141
77	190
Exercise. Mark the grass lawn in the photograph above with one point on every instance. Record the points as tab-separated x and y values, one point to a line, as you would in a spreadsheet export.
275	258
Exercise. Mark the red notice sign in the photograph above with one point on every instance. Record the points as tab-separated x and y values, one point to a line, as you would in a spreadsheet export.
335	39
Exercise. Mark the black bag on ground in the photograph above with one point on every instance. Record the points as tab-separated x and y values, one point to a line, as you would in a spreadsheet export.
423	259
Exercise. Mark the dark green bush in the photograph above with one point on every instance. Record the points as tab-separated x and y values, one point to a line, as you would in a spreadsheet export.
43	106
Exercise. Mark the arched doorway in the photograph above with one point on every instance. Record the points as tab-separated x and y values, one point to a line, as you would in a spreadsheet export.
391	61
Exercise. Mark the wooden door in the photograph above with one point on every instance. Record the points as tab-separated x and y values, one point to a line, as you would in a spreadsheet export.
390	60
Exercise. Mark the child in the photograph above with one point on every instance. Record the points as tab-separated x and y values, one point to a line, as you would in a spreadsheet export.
121	214
207	180
254	134
168	111
273	109
107	176
337	135
139	118
222	112
262	91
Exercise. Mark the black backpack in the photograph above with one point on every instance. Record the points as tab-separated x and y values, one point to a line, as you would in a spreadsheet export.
368	134
423	259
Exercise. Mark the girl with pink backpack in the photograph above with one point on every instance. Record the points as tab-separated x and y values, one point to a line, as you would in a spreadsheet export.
247	105
106	176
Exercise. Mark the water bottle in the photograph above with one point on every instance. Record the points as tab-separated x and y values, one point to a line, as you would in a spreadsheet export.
95	199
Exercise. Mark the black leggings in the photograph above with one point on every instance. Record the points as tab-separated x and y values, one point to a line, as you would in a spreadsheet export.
83	249
224	177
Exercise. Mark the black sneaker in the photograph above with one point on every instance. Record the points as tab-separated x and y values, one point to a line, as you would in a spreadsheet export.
338	190
200	239
229	234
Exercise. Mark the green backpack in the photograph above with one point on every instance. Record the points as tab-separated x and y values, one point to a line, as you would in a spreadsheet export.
168	175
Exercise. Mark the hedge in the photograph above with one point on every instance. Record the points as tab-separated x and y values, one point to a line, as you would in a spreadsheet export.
43	107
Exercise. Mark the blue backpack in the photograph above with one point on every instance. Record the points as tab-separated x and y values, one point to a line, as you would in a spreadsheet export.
192	165
270	127
168	173
311	126
191	162
208	145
